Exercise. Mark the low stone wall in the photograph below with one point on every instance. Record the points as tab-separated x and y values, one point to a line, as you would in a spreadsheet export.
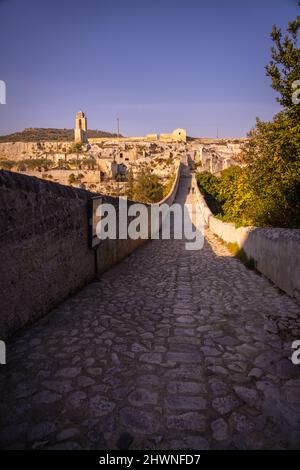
276	251
44	250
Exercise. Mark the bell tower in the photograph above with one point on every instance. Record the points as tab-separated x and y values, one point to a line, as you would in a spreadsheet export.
80	131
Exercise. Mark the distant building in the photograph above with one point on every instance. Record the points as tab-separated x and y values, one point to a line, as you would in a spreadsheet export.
80	131
178	135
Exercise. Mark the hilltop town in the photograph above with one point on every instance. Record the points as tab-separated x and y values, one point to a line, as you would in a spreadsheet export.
101	161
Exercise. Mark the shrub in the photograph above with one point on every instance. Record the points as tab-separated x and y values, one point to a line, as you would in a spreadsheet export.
7	164
72	178
75	148
209	186
147	187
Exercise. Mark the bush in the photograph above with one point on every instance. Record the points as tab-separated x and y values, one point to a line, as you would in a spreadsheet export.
273	173
32	164
88	163
75	148
7	164
72	178
168	186
209	186
147	187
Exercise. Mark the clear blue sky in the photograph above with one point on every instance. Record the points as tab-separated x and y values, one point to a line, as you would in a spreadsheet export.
157	64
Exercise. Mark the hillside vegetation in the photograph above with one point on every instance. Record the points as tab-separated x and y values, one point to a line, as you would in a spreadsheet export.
49	134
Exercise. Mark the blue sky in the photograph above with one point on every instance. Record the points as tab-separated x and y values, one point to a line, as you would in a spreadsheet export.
157	64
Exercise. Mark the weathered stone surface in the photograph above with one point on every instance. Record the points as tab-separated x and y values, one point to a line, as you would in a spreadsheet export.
45	397
58	386
125	440
100	406
77	399
219	388
68	433
255	372
68	372
185	403
191	442
293	396
185	371
241	423
140	397
148	381
267	360
220	429
94	371
84	381
225	404
42	430
248	395
217	370
65	446
183	357
136	347
286	369
228	341
140	421
208	351
187	421
185	319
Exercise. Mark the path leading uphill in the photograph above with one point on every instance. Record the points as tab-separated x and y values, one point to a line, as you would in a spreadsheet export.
171	349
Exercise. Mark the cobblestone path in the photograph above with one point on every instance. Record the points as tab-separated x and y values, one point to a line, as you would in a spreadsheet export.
170	349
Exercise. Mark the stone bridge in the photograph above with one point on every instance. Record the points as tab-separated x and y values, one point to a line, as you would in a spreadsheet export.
169	349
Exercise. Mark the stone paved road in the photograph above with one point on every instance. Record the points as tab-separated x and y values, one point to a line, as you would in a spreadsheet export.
171	349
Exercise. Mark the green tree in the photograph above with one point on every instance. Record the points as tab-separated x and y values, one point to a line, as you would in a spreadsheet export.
168	186
273	169
209	186
76	147
272	155
72	178
147	187
284	67
266	192
7	164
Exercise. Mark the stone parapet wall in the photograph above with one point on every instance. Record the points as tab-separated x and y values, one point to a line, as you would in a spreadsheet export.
276	251
44	250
